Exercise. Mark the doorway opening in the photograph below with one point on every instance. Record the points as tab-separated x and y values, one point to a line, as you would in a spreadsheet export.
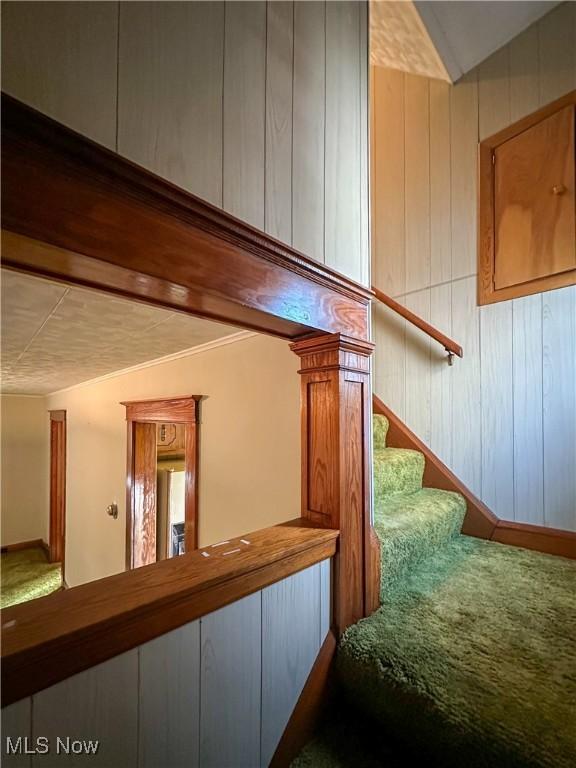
162	479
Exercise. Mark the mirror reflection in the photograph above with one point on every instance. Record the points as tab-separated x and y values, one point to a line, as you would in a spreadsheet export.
132	434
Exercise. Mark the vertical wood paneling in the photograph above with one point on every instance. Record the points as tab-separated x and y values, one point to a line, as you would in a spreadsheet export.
559	385
342	161
170	92
466	422
169	696
440	192
389	334
497	408
441	375
325	598
417	181
528	437
290	644
244	109
99	704
494	93
524	83
418	367
279	63
61	58
388	243
230	680
464	122
557	52
16	722
308	129
486	412
365	265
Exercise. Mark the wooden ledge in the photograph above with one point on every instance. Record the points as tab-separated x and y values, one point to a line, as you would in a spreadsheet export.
49	639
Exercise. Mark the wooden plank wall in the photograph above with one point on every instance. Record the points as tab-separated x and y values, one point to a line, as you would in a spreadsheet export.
259	107
503	418
216	692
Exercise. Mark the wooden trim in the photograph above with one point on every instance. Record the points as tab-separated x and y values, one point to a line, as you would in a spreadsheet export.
72	630
24	545
336	467
487	292
310	707
479	520
552	541
77	212
180	410
184	409
57	538
448	344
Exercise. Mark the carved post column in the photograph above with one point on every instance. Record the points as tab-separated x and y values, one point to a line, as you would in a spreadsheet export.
336	477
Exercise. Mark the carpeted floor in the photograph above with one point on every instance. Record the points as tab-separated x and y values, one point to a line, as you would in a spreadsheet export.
27	574
470	661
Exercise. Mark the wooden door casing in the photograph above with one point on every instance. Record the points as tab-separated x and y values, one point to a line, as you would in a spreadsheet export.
143	418
57	542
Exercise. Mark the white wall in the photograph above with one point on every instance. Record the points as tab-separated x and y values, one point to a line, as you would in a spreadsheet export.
504	417
260	108
249	447
25	448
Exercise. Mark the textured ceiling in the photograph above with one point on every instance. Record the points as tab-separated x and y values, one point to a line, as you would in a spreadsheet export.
399	40
446	38
54	336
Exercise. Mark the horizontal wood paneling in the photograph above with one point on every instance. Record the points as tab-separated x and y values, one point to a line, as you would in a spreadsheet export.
257	107
502	418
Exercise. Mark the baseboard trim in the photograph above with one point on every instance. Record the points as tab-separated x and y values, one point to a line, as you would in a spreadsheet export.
552	541
310	705
24	545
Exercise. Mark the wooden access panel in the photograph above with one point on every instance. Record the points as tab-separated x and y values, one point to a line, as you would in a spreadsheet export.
527	205
534	202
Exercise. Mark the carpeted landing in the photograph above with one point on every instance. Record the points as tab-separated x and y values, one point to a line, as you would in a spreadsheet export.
470	661
27	574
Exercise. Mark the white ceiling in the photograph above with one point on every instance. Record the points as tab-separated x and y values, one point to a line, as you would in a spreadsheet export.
446	39
54	336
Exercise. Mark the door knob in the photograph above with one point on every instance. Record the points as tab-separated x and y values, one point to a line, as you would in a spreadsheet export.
558	189
112	510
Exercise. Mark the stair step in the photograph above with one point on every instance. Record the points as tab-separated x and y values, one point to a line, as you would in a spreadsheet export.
380	426
396	470
471	660
413	527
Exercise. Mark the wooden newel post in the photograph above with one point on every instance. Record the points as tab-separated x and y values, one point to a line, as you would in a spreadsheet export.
336	476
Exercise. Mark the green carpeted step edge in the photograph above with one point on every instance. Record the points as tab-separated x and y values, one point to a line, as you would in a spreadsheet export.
396	470
412	528
473	659
380	425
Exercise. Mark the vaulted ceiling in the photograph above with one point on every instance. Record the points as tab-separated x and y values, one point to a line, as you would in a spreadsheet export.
445	39
54	336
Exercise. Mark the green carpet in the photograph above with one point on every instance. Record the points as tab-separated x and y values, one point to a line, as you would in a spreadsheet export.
27	574
471	659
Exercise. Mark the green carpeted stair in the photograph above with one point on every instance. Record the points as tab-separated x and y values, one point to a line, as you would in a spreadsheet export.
471	659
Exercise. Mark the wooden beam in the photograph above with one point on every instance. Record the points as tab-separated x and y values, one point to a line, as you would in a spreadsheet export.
75	211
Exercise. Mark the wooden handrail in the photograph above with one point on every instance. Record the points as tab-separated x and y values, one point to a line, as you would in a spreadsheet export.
49	639
449	345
